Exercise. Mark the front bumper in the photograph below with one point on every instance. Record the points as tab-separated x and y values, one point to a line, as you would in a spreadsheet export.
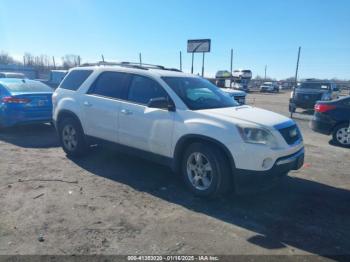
310	104
252	181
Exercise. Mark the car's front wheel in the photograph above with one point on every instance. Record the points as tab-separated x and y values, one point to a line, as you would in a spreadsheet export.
341	135
205	170
72	137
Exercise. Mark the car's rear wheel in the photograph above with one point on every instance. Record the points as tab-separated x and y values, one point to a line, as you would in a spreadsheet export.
341	135
72	137
205	170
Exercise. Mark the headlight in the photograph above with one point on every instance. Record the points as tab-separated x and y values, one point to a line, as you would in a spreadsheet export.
256	135
291	94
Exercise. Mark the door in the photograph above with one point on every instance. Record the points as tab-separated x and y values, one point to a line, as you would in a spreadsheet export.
101	105
141	127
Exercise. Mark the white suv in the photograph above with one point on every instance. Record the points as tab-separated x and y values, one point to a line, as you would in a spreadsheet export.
177	119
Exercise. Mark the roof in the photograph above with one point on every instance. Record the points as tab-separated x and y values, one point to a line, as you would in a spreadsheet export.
312	80
137	70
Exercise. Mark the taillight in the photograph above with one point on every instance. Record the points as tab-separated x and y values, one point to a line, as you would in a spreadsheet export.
321	108
14	100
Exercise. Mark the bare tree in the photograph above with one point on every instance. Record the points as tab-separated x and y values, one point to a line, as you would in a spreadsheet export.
69	61
6	59
28	59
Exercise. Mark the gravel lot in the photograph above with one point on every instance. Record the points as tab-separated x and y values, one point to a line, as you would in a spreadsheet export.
110	203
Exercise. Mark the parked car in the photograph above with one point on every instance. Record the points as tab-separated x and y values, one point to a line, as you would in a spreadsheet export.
333	117
310	91
269	87
237	95
177	119
12	75
24	101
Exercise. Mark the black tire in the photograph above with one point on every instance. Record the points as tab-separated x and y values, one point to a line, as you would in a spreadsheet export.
291	109
220	174
336	136
80	148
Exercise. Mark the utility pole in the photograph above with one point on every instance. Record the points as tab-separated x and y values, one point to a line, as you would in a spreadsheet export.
180	61
297	69
292	106
265	71
24	61
192	62
54	62
231	67
140	57
231	64
103	58
203	65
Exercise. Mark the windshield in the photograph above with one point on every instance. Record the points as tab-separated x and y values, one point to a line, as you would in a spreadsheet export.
314	86
198	93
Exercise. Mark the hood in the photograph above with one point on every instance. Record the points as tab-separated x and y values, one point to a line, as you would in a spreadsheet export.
310	91
249	114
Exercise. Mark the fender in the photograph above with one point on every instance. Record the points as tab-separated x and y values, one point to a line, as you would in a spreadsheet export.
189	138
66	113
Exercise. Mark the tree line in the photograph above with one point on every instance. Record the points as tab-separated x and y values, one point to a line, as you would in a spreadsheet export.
41	62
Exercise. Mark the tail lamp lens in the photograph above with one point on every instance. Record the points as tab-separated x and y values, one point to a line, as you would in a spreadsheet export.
15	100
321	108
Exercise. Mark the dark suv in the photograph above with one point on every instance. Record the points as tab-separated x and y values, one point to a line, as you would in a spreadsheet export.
310	91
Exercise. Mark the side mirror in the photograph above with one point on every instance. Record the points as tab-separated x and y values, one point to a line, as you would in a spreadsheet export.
162	103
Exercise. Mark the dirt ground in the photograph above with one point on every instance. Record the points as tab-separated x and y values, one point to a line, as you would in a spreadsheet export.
110	203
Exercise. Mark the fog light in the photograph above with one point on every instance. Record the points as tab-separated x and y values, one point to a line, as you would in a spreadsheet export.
267	163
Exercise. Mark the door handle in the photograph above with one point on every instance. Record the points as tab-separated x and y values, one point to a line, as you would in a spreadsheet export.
86	103
126	112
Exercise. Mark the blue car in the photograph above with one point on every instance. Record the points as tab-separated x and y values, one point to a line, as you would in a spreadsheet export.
24	101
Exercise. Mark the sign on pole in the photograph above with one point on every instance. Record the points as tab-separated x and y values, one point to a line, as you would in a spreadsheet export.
198	46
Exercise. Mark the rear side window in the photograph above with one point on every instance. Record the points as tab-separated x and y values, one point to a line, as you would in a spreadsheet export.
143	89
110	84
75	79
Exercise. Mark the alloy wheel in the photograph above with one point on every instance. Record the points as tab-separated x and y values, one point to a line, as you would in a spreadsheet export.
69	137
199	171
343	136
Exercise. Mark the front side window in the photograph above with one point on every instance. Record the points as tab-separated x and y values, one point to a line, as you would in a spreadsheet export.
110	84
198	93
75	79
143	89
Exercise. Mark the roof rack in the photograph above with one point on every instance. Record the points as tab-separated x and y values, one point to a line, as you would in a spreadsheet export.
131	65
